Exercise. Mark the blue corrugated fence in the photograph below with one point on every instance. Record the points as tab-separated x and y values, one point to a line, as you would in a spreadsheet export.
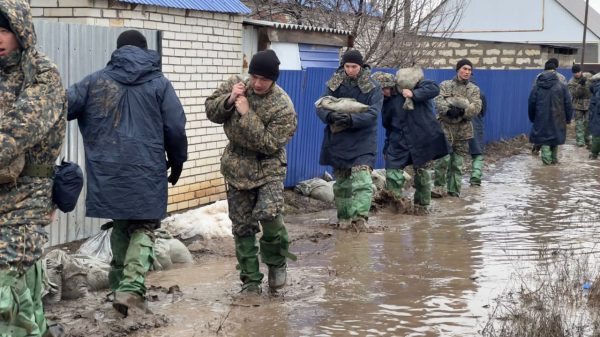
506	92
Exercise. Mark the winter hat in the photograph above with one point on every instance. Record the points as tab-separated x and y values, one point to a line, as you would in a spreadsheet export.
462	63
352	56
265	63
132	38
551	64
575	68
4	23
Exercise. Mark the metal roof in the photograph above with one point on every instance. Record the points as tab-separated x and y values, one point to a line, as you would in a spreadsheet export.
220	6
289	26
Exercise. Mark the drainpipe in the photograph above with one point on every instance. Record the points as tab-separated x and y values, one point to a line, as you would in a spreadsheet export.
585	20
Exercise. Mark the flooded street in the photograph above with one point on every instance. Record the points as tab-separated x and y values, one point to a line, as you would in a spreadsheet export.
426	276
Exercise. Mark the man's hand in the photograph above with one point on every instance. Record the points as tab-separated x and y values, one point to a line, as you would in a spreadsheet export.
344	119
455	112
241	105
237	91
176	169
407	93
582	80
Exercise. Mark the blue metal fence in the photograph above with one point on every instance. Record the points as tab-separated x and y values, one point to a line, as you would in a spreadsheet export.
506	92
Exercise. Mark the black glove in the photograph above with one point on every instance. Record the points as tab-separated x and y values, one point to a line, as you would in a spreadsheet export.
345	120
335	116
455	112
582	80
176	169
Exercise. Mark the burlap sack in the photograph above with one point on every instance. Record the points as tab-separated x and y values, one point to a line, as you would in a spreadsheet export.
342	104
407	78
11	173
459	102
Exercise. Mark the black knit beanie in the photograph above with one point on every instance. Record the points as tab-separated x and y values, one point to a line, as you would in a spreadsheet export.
352	56
132	38
551	64
4	23
462	63
265	63
575	68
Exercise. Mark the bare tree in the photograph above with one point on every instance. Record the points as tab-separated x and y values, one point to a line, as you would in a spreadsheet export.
391	33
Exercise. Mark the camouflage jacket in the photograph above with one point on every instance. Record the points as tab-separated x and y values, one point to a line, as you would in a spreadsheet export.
458	128
32	123
580	93
256	152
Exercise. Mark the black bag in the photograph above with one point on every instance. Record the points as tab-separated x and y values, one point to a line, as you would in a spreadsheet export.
68	182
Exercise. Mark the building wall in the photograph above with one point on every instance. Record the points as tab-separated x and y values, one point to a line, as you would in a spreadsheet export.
200	50
489	55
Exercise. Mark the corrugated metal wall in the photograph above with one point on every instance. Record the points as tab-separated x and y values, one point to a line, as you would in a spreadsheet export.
78	50
506	92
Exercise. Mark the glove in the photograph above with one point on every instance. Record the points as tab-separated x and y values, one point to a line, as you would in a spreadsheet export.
582	80
335	116
455	112
176	169
344	120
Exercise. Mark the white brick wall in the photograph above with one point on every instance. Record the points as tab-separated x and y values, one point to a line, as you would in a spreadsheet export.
200	50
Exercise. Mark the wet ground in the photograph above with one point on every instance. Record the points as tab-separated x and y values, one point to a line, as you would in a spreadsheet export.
431	275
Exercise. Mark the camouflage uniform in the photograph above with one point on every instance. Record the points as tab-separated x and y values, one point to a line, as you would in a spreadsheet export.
448	171
254	166
581	94
32	122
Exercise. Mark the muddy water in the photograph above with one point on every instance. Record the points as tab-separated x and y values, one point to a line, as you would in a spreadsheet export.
426	276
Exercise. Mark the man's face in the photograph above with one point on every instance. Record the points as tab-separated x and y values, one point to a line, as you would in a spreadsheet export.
387	92
8	42
352	69
464	73
260	84
578	74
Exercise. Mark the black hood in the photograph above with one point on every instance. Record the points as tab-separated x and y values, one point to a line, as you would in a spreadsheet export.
132	65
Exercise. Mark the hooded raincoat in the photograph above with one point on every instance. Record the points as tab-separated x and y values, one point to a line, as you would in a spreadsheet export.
32	123
129	116
550	110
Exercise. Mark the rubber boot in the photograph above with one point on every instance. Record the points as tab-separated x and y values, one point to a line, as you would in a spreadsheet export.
394	182
127	303
422	196
274	245
342	191
476	170
246	252
440	177
455	175
362	193
554	156
595	147
546	155
119	242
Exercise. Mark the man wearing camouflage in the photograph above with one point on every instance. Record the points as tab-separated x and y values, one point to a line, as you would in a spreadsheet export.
351	151
130	117
32	129
579	88
412	137
456	122
259	119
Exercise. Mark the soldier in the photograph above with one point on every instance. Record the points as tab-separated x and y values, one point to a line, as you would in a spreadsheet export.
550	110
458	102
259	119
129	116
550	66
412	137
32	129
351	152
595	116
581	94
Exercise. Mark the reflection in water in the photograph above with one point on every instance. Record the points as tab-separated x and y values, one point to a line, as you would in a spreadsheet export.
432	276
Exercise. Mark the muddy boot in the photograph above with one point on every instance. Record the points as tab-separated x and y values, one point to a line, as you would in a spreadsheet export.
421	209
246	252
344	224
361	225
251	288
593	156
54	330
438	192
277	276
127	303
535	150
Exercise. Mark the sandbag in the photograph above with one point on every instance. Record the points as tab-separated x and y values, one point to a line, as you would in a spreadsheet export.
378	178
169	252
316	188
98	246
407	78
341	104
459	102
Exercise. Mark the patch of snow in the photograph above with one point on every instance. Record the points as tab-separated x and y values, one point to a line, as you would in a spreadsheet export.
209	221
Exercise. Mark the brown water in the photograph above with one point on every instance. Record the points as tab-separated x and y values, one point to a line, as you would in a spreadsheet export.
426	276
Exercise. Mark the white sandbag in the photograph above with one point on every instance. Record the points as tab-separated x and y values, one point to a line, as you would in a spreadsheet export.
316	188
407	78
341	104
459	102
378	178
169	252
98	246
209	221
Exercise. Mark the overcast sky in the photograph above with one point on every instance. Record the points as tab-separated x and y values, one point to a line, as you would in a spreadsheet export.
595	4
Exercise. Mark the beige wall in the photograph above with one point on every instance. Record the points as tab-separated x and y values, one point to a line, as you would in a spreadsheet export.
200	50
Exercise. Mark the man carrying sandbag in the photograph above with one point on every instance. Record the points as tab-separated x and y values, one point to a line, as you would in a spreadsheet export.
350	140
32	130
413	136
459	101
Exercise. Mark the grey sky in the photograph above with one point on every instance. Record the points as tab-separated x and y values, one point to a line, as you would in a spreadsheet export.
595	4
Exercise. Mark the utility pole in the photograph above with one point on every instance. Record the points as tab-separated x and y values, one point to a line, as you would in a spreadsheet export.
587	5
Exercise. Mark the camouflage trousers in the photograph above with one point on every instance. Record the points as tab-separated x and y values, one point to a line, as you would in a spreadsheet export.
353	193
449	169
248	207
132	246
582	131
394	183
21	309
